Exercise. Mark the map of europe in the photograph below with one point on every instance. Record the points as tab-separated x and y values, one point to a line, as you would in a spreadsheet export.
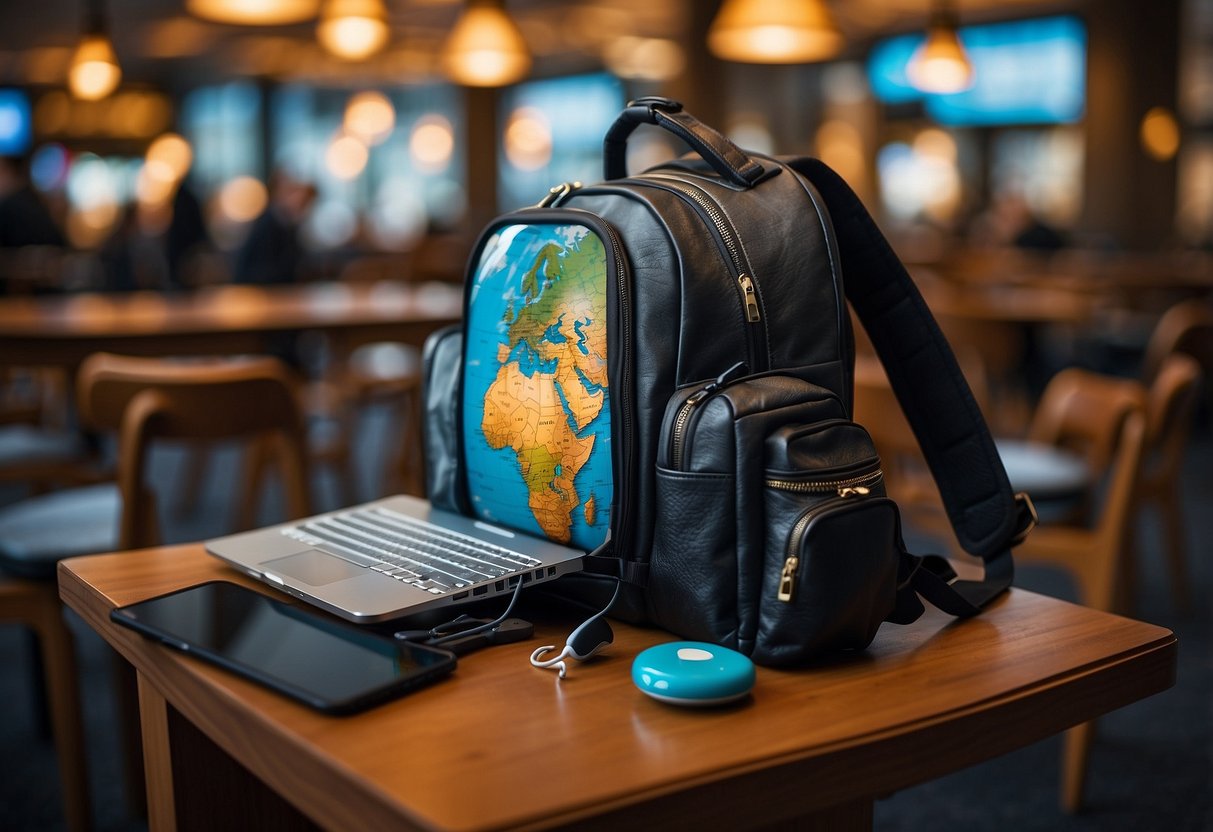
536	408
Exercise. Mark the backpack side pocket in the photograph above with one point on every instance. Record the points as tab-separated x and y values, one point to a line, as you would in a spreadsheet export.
693	570
442	369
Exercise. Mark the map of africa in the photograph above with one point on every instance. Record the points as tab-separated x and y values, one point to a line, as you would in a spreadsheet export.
536	416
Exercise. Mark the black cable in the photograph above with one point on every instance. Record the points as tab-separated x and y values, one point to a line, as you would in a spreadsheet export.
436	633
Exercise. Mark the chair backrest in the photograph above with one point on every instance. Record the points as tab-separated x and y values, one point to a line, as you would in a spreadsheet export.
1186	327
1105	418
152	398
1169	410
1084	412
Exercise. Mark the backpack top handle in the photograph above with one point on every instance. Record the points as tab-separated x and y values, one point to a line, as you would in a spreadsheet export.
730	161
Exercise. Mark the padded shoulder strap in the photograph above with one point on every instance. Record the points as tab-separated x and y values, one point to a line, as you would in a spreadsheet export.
934	395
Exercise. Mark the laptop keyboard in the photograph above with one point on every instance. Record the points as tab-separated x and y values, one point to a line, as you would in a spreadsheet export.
411	550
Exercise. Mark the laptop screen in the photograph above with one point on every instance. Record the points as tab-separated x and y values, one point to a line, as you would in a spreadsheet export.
536	414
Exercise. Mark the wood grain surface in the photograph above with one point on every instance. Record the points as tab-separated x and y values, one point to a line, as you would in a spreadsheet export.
501	745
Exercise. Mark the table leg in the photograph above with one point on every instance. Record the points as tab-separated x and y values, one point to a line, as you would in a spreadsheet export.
157	758
195	786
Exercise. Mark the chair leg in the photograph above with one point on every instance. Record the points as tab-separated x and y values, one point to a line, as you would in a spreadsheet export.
1074	766
252	480
63	692
37	677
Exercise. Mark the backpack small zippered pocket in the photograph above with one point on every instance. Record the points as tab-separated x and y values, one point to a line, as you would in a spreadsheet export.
709	554
832	542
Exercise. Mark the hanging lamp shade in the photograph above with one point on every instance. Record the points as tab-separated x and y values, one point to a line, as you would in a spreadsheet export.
941	64
486	48
254	12
94	72
353	29
774	32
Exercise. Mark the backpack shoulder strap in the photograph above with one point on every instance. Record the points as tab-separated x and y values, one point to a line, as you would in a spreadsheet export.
987	517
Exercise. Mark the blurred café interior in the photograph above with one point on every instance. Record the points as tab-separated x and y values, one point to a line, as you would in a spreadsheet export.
305	178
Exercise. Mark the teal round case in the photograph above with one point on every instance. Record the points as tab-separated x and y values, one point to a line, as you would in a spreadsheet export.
693	673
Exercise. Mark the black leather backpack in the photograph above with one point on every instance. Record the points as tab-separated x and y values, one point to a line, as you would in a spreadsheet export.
747	508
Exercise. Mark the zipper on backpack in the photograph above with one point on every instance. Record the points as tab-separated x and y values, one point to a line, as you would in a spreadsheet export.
791	563
620	519
682	419
747	285
558	194
860	484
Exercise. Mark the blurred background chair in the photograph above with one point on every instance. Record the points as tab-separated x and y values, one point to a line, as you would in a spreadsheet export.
143	400
39	449
1185	327
1170	411
355	377
383	374
1103	419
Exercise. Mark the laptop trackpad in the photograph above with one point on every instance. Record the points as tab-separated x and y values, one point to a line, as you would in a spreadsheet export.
313	567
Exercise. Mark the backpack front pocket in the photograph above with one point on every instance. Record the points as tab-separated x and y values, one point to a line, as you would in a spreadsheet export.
832	543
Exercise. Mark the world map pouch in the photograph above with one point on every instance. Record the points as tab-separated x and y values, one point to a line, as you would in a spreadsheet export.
521	412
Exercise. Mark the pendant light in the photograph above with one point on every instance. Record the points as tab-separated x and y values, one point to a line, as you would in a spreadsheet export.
254	12
353	29
941	64
486	48
774	32
94	71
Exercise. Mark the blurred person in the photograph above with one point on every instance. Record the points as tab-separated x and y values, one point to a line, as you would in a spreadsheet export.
24	217
1010	221
272	252
185	236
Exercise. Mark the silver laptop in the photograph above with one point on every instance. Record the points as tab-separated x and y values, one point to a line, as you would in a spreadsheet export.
393	557
537	457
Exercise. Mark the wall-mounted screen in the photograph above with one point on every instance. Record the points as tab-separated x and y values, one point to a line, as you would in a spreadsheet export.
1025	72
16	134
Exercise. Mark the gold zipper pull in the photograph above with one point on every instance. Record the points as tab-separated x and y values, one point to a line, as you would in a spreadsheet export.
787	578
751	298
854	491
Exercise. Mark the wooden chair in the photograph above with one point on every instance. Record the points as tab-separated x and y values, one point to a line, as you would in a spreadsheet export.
1104	419
1170	408
1186	327
384	373
143	400
37	450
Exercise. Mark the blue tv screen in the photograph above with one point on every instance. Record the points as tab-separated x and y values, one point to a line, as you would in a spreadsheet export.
1025	72
16	134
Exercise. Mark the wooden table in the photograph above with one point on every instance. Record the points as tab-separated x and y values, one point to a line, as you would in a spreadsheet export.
501	745
218	320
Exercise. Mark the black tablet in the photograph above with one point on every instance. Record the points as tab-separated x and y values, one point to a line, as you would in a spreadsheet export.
319	660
